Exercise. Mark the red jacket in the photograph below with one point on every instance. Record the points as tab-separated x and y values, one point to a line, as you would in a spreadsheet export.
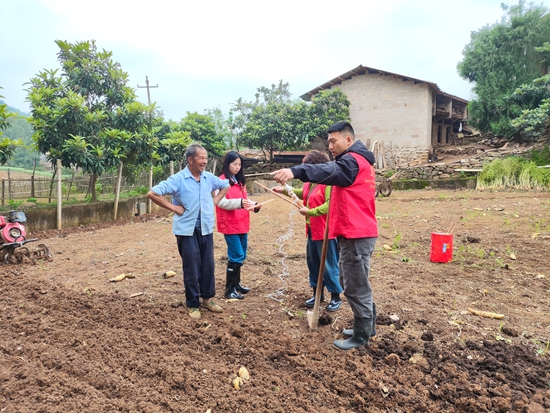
352	208
236	221
317	198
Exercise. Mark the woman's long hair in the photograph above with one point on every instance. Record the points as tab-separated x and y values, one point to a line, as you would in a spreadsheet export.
230	157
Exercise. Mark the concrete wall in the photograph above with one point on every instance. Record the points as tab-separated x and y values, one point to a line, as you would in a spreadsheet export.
41	219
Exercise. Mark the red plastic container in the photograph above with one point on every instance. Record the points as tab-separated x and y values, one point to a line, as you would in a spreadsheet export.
442	247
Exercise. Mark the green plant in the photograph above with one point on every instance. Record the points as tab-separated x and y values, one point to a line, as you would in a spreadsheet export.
501	338
541	157
32	200
480	253
405	259
14	204
542	348
243	316
397	241
508	250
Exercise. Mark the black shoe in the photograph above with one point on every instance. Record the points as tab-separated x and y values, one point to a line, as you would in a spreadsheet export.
233	295
241	289
335	302
311	302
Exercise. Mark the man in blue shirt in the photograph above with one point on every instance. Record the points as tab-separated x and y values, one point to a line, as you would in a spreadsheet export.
193	224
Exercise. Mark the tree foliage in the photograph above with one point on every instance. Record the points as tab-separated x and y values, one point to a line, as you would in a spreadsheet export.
87	116
534	100
203	129
499	59
275	122
7	145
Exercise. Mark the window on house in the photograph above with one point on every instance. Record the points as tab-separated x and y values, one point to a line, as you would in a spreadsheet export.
438	133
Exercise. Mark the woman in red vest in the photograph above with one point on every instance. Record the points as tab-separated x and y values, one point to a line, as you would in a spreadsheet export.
316	199
233	220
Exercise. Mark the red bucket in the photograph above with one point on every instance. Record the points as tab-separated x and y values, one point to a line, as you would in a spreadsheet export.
442	247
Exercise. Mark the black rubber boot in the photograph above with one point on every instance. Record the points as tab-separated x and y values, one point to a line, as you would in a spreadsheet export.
239	287
362	328
348	332
335	302
231	281
311	302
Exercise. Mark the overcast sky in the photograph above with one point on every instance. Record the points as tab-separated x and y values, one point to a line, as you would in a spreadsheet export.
206	54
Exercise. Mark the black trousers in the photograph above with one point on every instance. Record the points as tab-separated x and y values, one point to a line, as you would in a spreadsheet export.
197	257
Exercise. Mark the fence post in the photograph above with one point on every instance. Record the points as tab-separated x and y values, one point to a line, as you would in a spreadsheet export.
32	180
59	196
3	190
70	186
117	192
9	184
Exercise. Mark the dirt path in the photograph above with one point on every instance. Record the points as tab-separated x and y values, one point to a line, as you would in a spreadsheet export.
70	340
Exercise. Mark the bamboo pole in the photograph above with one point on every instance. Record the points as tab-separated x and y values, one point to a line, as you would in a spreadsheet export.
284	198
117	194
59	196
313	317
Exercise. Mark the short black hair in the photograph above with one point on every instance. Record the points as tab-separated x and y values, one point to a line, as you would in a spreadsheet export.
342	127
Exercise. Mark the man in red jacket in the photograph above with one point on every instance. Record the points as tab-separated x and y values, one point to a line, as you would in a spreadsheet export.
352	220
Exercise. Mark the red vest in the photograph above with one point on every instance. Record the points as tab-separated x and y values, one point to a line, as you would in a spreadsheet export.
352	208
317	198
236	221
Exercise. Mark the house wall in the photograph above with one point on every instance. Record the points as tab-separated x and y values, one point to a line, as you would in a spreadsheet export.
388	109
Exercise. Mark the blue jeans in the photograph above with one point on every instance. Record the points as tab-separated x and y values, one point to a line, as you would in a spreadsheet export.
313	255
237	245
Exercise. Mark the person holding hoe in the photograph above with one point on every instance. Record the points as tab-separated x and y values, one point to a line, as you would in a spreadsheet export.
233	219
352	220
316	198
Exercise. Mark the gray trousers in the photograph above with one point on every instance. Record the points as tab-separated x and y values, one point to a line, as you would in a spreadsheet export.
354	269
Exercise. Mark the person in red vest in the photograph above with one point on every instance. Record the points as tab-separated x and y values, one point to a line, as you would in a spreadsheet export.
352	219
233	221
316	198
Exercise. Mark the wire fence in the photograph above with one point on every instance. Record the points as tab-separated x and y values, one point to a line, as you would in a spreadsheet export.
73	187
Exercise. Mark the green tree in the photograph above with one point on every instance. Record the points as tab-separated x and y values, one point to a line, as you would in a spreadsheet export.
173	143
222	126
88	117
327	107
272	122
534	100
500	58
203	129
7	145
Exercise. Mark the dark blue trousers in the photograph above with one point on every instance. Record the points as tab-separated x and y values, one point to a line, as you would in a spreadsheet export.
197	257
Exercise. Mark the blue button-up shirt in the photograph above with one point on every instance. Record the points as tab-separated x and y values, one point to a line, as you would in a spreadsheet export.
192	195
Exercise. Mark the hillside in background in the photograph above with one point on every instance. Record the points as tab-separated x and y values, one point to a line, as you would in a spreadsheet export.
14	110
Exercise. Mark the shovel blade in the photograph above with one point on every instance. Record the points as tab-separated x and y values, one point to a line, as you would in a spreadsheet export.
311	320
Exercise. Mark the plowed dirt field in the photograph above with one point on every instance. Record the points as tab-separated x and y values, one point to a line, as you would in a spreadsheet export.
72	341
